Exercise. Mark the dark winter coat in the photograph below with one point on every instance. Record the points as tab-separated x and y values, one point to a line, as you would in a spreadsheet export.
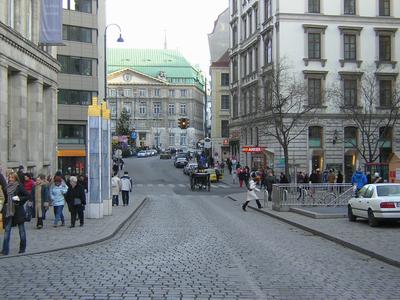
77	192
19	214
269	181
3	184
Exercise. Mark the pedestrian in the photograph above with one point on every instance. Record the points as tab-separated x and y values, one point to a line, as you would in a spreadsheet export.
40	199
116	188
269	181
229	165
122	163
14	212
283	179
76	200
339	178
234	176
126	188
313	177
377	178
358	180
57	193
251	193
115	167
29	185
21	173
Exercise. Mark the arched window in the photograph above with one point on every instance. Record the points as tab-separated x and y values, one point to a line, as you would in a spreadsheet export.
315	137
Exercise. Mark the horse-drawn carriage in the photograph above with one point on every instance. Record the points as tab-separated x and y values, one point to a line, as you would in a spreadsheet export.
200	180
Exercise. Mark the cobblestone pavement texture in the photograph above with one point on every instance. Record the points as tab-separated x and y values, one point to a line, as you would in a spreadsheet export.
201	247
383	240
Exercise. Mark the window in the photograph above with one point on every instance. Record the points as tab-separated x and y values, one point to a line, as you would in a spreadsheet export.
225	128
172	124
314	46
314	92
350	137
71	134
256	16
385	137
350	92
385	48
244	64
127	108
142	108
157	139
172	139
225	79
142	93
268	9
75	97
172	93
225	102
157	108
171	109
268	51
234	35
112	93
256	58
235	69
157	93
350	46
385	93
78	5
314	6
77	34
128	92
183	139
244	28
183	93
235	104
249	17
75	65
349	7
250	61
183	109
384	8
234	6
315	137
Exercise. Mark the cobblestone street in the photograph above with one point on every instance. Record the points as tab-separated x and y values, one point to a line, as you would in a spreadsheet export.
201	247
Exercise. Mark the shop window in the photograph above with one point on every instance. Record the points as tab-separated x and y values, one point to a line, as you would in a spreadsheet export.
71	134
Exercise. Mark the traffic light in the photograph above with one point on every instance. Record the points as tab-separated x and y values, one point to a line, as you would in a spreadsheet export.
183	123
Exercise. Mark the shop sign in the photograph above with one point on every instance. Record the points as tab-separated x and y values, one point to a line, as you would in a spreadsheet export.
247	149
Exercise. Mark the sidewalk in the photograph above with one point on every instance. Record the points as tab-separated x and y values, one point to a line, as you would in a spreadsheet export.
94	230
381	242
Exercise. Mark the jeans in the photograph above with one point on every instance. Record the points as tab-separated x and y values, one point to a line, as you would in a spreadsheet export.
58	212
125	197
115	200
76	210
7	235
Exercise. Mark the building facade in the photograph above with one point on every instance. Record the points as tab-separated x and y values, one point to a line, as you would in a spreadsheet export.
156	87
325	43
81	78
28	90
220	94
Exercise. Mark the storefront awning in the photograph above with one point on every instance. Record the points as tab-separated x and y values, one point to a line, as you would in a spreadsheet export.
71	153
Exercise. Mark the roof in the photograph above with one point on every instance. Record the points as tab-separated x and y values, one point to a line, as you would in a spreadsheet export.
223	61
153	62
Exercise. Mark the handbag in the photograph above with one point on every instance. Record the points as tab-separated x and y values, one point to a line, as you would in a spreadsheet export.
28	207
77	201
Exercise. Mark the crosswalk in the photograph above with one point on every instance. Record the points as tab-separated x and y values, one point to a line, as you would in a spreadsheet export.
174	185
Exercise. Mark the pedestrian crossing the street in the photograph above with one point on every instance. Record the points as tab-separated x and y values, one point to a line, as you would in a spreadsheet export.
174	185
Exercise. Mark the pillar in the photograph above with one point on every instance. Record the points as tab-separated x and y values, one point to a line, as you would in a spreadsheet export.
106	160
49	129
3	114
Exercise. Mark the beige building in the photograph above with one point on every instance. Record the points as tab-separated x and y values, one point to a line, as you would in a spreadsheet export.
28	90
81	78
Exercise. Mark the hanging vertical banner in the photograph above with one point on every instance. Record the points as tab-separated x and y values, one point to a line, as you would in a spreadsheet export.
51	22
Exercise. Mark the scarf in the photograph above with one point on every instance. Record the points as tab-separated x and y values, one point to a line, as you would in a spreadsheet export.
10	206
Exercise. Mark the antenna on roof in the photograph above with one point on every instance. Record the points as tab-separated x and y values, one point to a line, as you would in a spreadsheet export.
165	39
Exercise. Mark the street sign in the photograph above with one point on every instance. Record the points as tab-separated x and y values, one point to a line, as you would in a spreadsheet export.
207	143
249	149
133	135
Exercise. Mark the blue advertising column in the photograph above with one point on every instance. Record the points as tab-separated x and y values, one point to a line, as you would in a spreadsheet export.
106	160
94	161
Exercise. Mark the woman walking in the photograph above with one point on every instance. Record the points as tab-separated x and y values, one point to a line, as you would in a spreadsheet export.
57	192
41	199
14	212
76	200
251	194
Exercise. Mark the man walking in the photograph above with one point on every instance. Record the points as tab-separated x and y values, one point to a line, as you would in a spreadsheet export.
126	188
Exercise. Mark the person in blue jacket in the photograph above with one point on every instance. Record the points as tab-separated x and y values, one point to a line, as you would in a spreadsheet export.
57	192
359	180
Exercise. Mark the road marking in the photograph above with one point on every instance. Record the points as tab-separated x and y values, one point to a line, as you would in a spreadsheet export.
171	185
160	184
149	184
224	186
214	186
182	185
140	185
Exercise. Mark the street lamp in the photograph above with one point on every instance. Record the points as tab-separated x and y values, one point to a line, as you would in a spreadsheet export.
119	40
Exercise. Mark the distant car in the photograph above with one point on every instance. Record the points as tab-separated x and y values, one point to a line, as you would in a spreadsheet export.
180	162
376	202
165	155
148	152
213	175
153	152
141	154
189	168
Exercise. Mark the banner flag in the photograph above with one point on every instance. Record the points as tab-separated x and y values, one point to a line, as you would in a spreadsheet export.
51	22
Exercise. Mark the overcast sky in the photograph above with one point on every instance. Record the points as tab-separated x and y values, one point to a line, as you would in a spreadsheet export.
187	23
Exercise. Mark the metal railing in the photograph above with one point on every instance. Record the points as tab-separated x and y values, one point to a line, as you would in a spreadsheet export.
321	194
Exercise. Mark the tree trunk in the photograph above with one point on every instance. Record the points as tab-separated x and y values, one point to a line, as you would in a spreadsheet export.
286	156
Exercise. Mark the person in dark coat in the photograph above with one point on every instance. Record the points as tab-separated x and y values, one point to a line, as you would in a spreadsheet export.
76	200
21	174
283	179
14	212
270	180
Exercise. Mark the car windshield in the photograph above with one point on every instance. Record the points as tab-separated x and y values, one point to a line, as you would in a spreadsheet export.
388	190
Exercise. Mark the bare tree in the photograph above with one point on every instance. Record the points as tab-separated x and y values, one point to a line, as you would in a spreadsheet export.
373	110
287	112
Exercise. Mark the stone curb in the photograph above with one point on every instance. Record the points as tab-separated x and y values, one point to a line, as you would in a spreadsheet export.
331	238
122	224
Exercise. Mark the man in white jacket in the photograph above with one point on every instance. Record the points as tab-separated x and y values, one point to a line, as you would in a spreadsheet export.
126	188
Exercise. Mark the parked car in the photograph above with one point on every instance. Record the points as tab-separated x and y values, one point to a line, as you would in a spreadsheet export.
189	168
142	154
148	152
165	155
180	162
376	202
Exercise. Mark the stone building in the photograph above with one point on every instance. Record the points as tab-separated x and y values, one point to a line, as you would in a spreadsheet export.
28	90
218	42
156	87
325	42
81	77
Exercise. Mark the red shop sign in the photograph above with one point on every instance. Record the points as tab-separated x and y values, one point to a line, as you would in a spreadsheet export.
249	149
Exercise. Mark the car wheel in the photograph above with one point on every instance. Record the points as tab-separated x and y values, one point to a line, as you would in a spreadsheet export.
372	221
352	218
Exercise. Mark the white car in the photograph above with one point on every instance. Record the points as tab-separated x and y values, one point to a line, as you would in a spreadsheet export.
376	202
141	154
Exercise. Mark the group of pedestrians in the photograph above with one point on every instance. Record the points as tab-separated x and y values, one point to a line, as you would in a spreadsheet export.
122	186
23	197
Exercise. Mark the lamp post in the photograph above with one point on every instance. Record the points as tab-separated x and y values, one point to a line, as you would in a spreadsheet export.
119	40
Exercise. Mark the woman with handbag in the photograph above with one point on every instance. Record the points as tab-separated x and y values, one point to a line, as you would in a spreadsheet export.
14	212
76	200
41	200
251	192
